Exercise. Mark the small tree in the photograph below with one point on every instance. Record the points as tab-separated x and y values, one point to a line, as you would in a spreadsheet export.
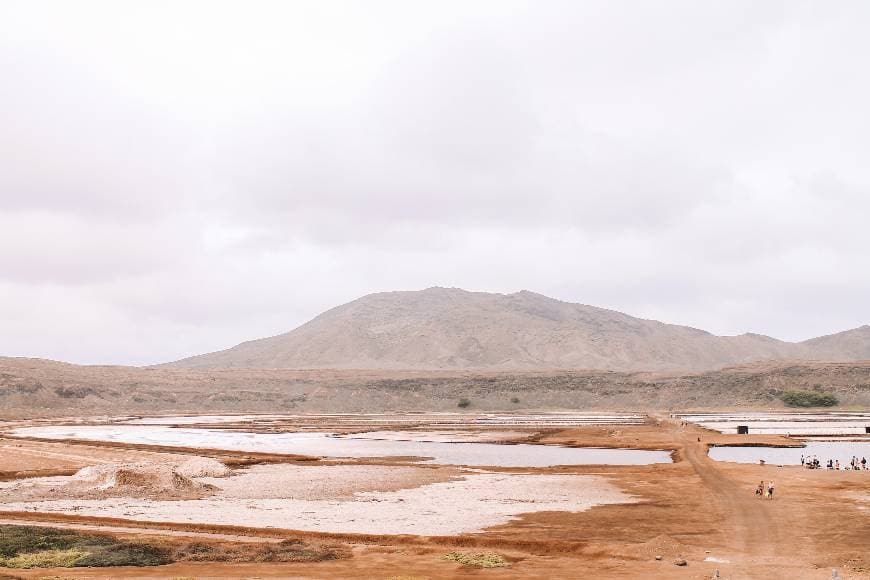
463	403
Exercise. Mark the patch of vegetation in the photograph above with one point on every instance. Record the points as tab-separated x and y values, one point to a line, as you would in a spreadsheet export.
515	400
481	560
24	389
285	551
74	392
36	547
463	403
125	554
45	559
809	399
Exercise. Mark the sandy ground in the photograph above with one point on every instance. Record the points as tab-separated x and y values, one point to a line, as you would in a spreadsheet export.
695	509
38	457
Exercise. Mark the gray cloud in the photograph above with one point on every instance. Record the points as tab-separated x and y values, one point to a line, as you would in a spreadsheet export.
176	178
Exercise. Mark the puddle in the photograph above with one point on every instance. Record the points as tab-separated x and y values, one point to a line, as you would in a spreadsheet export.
328	445
840	450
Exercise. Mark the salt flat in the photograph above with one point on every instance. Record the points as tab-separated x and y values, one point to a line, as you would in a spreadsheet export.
469	504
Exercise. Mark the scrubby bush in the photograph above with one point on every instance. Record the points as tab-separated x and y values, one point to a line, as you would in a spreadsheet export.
481	560
44	559
463	403
809	399
16	540
124	554
515	400
75	392
35	547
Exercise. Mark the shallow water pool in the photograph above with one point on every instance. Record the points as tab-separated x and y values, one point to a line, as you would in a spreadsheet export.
839	450
328	445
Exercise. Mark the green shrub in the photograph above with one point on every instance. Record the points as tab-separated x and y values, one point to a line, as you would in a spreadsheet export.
515	400
809	399
481	560
463	403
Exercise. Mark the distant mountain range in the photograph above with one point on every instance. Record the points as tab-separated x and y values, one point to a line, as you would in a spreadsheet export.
450	328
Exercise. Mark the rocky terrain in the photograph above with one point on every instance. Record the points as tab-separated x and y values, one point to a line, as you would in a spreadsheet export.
35	387
452	329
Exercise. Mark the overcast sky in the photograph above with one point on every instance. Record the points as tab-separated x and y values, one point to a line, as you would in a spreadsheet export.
176	177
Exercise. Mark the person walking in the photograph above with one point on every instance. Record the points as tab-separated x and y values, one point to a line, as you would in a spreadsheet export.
769	490
759	491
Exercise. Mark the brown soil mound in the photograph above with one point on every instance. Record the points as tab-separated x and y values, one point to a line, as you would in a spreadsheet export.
157	480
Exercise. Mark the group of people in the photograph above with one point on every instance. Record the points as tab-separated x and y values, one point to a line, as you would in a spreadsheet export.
762	493
813	462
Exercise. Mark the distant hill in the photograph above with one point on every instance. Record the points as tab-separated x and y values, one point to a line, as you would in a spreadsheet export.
41	388
450	328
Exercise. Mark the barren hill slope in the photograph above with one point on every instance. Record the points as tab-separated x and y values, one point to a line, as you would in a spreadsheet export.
35	387
848	345
449	328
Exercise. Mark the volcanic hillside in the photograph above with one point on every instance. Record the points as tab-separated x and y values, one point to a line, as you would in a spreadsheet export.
449	328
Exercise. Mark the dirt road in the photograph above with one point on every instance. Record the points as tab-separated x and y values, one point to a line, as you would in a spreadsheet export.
752	530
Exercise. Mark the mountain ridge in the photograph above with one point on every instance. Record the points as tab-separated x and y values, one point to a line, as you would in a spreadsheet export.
450	328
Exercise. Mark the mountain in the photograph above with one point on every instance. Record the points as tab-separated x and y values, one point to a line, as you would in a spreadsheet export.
449	328
849	345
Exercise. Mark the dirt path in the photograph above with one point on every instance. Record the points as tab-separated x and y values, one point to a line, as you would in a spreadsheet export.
751	528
